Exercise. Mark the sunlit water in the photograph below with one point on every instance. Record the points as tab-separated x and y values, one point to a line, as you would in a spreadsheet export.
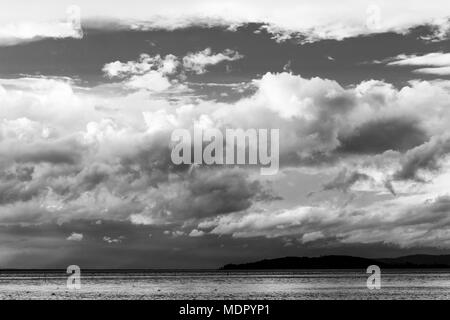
316	284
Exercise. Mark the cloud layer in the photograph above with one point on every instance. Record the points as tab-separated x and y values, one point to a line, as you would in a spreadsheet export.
102	153
307	21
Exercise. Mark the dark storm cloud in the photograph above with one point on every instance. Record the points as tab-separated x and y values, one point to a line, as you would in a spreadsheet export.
219	193
24	173
377	136
141	184
151	160
208	192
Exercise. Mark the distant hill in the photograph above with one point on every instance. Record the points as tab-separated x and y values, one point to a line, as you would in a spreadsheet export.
344	262
420	260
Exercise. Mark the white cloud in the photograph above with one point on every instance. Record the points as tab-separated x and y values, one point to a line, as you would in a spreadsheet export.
75	237
197	62
16	32
113	240
152	81
196	233
312	236
435	59
441	71
321	19
144	64
436	63
55	103
159	74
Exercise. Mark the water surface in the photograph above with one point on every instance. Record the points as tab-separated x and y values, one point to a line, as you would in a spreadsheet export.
298	284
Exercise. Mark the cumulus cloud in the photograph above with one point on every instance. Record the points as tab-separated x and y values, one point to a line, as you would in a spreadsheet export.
159	74
196	233
144	64
108	169
148	72
197	62
92	164
75	237
17	32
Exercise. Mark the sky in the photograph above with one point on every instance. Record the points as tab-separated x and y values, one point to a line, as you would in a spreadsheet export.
90	93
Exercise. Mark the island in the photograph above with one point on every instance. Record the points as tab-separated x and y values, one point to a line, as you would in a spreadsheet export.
344	262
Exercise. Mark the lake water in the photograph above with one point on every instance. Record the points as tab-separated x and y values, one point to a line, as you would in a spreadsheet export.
304	284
